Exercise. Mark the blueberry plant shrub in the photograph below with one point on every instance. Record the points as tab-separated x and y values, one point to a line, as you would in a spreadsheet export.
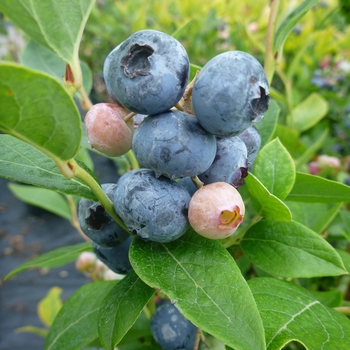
217	225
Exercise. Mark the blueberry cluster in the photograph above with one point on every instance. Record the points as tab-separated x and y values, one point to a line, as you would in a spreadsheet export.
195	144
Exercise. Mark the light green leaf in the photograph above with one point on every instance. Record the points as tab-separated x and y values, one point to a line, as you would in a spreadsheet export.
75	326
49	307
21	162
316	216
49	121
43	198
41	332
290	249
267	125
274	167
316	189
290	21
204	282
345	218
40	58
309	112
265	203
121	308
290	312
54	258
57	25
345	256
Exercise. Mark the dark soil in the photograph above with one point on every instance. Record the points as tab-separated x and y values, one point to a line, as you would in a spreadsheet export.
25	233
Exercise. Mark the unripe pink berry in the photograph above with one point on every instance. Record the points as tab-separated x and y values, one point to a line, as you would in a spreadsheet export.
216	210
85	261
107	131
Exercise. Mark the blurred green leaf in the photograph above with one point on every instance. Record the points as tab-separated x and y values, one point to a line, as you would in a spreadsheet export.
265	203
21	162
50	122
288	311
316	189
54	258
331	298
309	112
290	249
41	332
290	21
202	278
49	307
120	309
267	125
317	216
40	58
345	256
75	326
43	198
275	169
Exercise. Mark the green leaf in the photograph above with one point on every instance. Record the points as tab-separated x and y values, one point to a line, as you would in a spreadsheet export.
309	112
204	282
265	203
49	307
45	199
345	218
54	258
311	151
316	216
49	121
345	256
75	326
290	139
332	298
290	312
120	309
21	162
275	169
40	58
316	189
267	125
57	25
290	249
290	21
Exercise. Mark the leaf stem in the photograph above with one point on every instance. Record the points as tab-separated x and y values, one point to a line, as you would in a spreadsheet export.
270	59
345	310
86	103
75	222
132	160
107	204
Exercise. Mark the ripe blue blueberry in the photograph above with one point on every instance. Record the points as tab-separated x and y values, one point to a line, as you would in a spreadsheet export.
230	164
97	224
174	143
252	139
230	92
116	258
153	208
188	184
171	330
148	72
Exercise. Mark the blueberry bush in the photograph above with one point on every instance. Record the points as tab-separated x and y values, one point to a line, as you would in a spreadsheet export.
228	223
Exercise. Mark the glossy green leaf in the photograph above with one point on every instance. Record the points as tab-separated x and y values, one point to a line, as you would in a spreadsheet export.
290	21
49	121
265	203
22	162
54	258
274	167
49	307
75	326
267	125
120	309
204	282
309	112
57	25
316	216
40	58
290	249
43	198
316	189
290	312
